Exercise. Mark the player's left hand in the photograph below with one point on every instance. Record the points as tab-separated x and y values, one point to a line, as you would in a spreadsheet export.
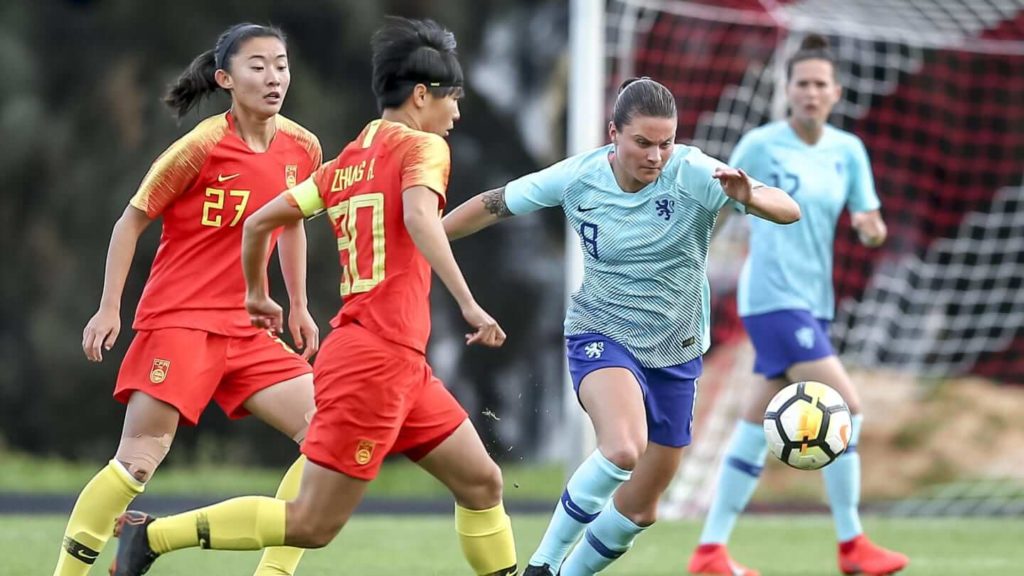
736	184
488	332
264	313
305	333
870	228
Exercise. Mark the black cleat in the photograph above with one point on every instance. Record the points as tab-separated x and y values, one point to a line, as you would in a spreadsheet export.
134	556
543	570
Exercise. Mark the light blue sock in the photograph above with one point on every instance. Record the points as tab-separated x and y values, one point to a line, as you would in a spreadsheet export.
741	469
585	495
842	483
606	539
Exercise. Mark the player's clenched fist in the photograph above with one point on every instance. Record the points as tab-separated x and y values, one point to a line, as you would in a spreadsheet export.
488	332
264	313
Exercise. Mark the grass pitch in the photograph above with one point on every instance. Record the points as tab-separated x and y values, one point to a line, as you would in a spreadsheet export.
426	545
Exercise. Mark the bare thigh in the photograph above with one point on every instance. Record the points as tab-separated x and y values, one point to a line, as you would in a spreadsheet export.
462	464
761	392
325	502
615	404
827	371
286	406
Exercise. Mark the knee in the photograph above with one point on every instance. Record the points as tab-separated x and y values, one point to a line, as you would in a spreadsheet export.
142	454
308	529
642	512
483	490
644	517
624	454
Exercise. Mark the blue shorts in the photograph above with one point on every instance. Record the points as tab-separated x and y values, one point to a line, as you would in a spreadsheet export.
786	337
669	393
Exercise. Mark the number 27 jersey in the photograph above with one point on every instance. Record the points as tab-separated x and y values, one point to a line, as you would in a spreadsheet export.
385	280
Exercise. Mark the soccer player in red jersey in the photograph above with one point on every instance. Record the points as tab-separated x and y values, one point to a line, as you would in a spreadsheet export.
194	341
375	393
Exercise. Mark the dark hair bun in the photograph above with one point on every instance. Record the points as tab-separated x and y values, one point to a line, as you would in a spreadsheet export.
625	83
814	42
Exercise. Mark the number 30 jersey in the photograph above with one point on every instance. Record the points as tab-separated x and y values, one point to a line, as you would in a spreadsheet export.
204	186
385	280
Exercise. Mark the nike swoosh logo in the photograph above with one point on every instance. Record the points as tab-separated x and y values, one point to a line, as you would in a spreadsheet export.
79	551
223	178
580	208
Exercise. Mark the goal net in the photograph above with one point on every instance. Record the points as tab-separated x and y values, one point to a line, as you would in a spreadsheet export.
935	88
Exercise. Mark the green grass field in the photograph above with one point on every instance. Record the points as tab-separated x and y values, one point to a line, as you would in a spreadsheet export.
782	546
399	478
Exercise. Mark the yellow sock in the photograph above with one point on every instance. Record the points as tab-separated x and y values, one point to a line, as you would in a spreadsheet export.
486	539
246	523
282	560
91	524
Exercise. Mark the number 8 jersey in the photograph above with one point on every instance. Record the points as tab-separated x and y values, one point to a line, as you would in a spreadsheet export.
385	281
204	186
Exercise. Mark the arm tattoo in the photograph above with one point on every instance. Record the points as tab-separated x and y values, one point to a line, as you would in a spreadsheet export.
494	202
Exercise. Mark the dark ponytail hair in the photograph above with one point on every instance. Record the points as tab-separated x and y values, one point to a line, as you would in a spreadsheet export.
197	81
813	47
644	97
409	52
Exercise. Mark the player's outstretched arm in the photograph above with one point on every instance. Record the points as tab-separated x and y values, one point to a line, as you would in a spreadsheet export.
420	210
292	253
103	328
870	227
264	312
477	213
762	201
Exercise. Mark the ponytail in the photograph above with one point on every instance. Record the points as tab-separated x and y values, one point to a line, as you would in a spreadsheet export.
194	84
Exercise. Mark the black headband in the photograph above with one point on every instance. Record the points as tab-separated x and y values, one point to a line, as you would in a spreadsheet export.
222	53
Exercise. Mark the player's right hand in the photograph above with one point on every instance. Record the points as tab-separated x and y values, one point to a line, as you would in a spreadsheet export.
100	333
264	313
488	332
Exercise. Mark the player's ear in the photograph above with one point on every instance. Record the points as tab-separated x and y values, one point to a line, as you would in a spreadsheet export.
419	95
223	79
612	132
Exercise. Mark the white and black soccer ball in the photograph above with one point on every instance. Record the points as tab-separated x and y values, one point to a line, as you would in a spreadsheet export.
807	425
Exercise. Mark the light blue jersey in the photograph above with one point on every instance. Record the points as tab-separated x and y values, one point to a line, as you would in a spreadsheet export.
644	253
790	267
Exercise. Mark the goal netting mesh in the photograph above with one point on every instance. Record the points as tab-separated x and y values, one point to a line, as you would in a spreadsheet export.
935	88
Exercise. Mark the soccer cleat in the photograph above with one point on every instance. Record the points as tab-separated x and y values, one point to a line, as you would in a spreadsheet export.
134	556
862	556
543	570
714	560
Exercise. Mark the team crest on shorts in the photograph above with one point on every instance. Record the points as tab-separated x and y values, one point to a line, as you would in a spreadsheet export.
291	174
805	337
594	350
158	373
364	452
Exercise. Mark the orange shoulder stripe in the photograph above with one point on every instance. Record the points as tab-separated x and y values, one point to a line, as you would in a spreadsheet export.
303	137
176	169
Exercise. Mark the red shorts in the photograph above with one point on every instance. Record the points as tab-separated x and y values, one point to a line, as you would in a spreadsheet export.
374	398
187	368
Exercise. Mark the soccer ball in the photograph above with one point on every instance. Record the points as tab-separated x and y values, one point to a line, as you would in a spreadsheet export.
807	425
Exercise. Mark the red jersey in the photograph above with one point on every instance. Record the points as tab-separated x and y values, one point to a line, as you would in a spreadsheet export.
385	280
205	186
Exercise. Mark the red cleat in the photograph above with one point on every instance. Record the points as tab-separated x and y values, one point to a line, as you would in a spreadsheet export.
861	556
713	559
